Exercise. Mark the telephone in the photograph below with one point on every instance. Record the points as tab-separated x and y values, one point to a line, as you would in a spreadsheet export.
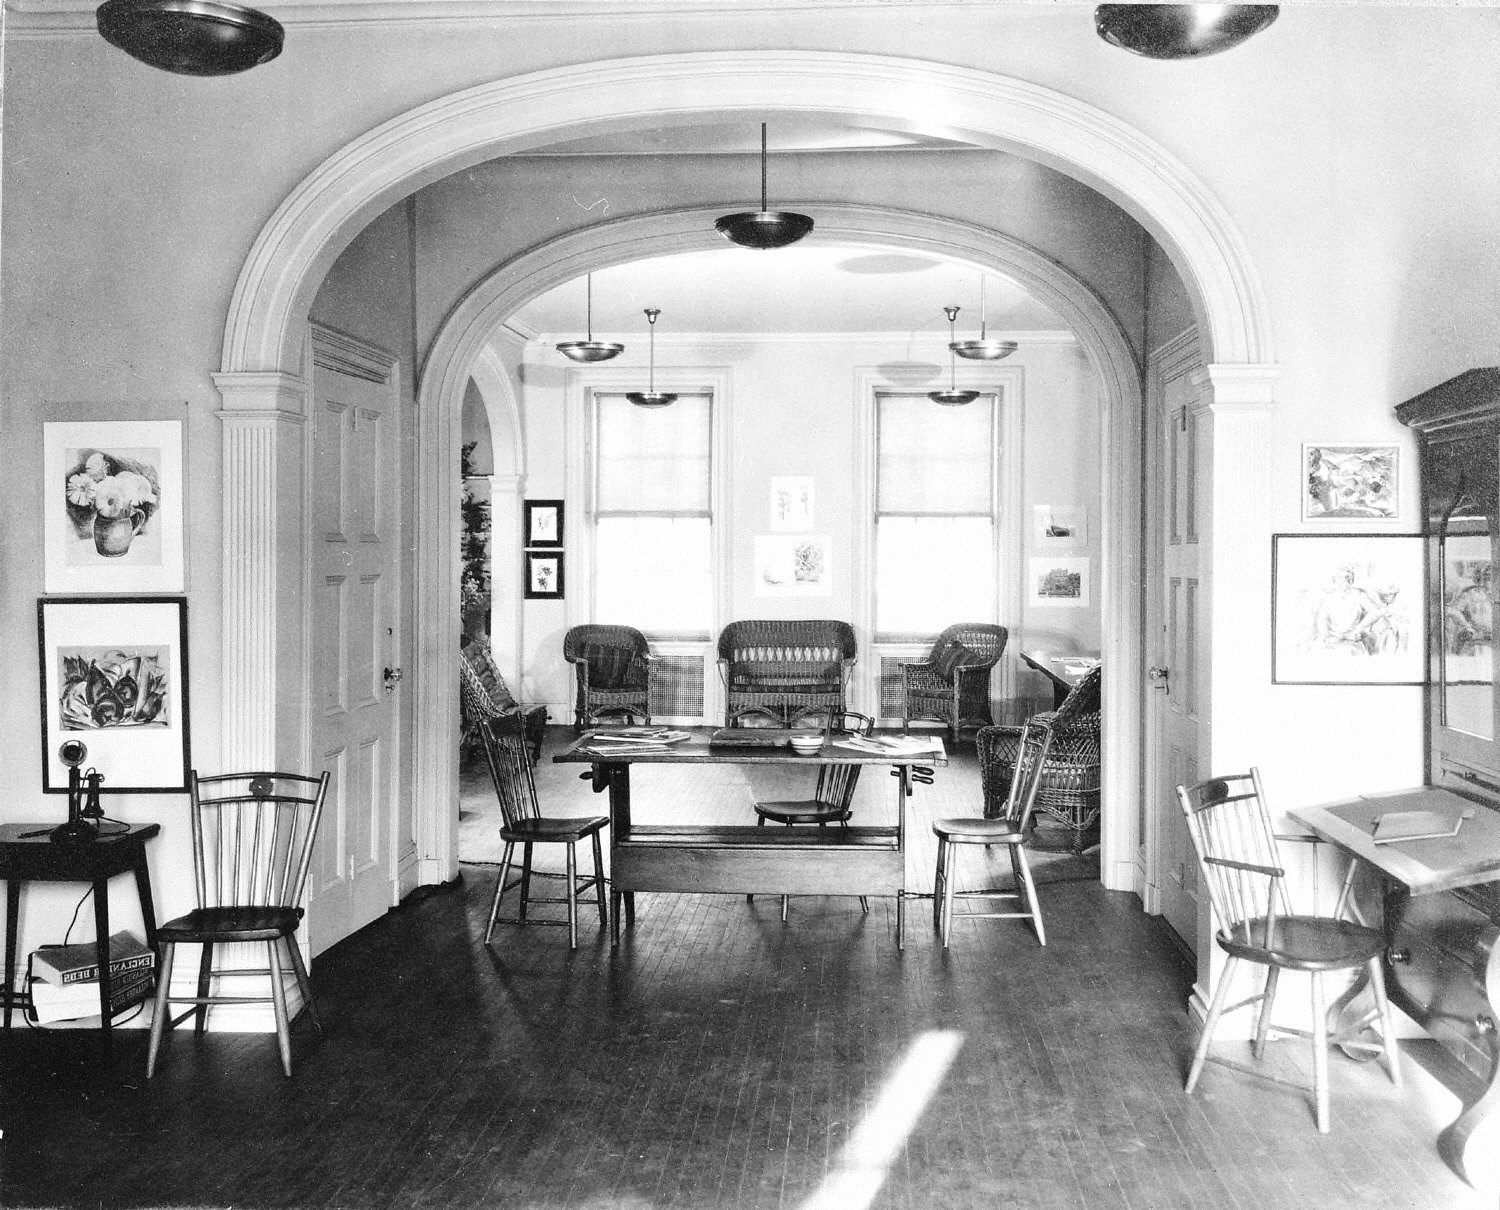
84	808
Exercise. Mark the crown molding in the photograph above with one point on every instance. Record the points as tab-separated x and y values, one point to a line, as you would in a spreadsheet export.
937	341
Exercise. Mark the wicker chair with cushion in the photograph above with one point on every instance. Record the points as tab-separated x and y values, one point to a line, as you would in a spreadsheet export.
781	670
1068	787
614	672
953	682
483	695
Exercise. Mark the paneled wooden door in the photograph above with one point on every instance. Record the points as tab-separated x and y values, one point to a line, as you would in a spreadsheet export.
355	688
1175	612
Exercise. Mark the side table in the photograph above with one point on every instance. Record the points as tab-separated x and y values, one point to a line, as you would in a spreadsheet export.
29	854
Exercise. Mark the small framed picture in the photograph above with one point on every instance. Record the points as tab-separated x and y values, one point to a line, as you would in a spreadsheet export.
791	503
1347	609
793	565
112	509
1058	527
544	575
114	676
544	523
1350	482
1061	581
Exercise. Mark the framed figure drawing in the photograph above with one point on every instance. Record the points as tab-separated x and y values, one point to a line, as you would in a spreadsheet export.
544	575
1350	482
1347	609
112	507
114	675
544	523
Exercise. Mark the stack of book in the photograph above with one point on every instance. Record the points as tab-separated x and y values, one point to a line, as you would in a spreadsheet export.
64	982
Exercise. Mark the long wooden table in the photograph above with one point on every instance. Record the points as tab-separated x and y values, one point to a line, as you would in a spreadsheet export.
1063	671
746	859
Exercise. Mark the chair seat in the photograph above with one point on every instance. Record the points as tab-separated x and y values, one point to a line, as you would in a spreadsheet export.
808	810
985	831
1306	943
537	830
231	924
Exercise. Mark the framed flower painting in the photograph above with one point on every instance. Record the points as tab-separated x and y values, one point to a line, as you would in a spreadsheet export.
114	676
112	506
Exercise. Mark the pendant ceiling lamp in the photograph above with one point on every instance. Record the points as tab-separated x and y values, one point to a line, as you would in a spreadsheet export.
590	349
763	228
651	397
952	397
1181	31
983	349
190	37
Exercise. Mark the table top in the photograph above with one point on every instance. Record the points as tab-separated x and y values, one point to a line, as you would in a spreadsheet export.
1063	669
1425	867
696	749
27	851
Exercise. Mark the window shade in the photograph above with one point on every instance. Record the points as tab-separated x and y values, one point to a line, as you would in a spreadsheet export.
653	459
934	459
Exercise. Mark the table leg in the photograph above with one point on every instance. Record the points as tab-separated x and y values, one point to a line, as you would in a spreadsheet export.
616	778
101	925
12	916
143	890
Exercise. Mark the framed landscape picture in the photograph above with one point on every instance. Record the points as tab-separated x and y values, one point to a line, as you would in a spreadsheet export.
1059	581
1350	482
114	676
544	523
544	575
1347	609
112	507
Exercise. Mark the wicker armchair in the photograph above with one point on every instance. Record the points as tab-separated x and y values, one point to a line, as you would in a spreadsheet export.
953	682
1068	789
483	695
782	670
614	671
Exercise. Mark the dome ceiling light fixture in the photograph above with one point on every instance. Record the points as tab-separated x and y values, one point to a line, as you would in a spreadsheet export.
1181	31
952	397
191	37
983	349
651	397
763	229
590	349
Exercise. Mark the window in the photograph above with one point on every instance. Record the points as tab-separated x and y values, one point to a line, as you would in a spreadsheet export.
935	514
653	515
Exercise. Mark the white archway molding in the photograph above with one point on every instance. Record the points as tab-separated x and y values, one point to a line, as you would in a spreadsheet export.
507	491
316	221
464	341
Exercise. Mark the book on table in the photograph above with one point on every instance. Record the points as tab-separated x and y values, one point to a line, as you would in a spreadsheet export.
79	962
52	1002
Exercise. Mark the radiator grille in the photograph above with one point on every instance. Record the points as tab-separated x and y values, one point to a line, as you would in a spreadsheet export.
890	684
678	689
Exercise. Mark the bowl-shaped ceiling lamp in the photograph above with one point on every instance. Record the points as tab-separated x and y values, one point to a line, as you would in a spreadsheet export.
983	349
590	349
763	228
952	397
651	397
190	37
1180	31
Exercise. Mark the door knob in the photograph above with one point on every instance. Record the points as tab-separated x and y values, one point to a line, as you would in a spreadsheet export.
1159	676
392	678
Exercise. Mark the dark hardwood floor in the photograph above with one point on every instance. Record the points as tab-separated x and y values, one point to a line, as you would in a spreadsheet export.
722	1059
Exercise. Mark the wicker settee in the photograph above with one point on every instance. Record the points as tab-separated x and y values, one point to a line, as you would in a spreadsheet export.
781	670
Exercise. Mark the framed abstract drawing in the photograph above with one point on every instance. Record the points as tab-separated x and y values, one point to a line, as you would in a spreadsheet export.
1350	482
544	575
114	675
544	523
112	507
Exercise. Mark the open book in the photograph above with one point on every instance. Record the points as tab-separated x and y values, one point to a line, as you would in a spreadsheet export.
1419	825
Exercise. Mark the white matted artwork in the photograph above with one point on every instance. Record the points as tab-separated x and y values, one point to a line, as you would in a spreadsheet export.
1061	581
112	506
1058	527
788	565
791	503
1350	482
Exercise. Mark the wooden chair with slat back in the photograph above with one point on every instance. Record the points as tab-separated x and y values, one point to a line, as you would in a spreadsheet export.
524	824
253	837
1231	831
832	797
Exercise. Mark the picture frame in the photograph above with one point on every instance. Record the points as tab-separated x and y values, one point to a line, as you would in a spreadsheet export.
791	503
544	524
1058	582
1351	482
793	565
544	575
1059	527
1347	609
114	674
112	506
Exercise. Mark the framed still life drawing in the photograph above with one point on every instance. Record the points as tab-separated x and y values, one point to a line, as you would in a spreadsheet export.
544	575
544	523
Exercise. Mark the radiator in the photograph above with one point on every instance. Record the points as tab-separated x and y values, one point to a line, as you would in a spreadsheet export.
678	689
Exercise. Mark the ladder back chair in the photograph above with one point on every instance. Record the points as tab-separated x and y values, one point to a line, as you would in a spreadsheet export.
524	824
1013	792
1231	831
832	797
253	837
953	682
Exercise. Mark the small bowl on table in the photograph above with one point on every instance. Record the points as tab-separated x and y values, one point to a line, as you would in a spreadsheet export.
807	745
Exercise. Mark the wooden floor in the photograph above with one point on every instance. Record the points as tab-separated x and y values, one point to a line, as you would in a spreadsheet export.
721	1059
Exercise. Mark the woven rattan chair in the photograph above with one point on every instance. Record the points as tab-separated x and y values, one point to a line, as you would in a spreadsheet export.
614	672
1068	785
781	670
1231	830
253	836
953	682
483	694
